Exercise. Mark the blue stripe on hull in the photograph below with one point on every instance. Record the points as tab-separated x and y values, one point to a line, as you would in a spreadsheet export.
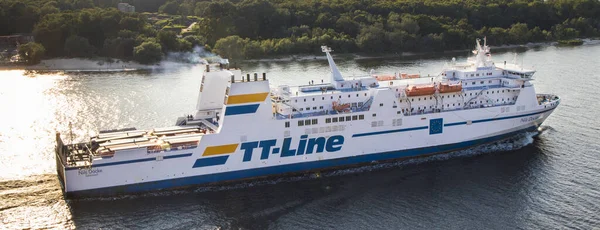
293	168
212	161
241	109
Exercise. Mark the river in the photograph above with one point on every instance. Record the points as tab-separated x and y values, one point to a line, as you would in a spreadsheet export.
542	180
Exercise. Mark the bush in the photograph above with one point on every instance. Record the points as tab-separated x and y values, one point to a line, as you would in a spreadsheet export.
149	52
32	52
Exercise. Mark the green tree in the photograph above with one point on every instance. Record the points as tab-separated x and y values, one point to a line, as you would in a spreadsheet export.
32	52
76	46
168	40
519	33
371	39
149	52
195	40
230	47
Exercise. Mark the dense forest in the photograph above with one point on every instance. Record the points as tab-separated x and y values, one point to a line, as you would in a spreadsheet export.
254	28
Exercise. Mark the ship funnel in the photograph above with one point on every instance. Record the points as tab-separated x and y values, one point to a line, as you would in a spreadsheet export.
335	72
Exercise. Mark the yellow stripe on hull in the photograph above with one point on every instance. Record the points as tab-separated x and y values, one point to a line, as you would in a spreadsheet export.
246	98
220	149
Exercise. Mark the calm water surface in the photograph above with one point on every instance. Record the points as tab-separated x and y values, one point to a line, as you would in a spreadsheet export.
544	180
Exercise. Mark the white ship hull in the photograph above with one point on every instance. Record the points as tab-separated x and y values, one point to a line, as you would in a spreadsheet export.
243	130
361	145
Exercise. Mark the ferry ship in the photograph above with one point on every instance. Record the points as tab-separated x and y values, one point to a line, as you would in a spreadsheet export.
244	129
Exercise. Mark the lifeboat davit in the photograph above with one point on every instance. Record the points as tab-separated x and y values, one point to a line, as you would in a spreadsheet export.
420	90
450	88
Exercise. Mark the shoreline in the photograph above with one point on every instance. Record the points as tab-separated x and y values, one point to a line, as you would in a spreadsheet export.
75	65
363	56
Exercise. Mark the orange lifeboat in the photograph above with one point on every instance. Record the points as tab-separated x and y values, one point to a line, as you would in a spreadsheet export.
450	88
340	107
384	77
409	76
420	90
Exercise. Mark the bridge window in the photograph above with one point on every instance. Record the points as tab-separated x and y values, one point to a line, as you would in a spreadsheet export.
374	115
472	83
315	121
348	118
335	119
361	117
315	108
360	104
348	95
293	110
477	75
307	108
320	107
380	104
481	82
287	124
341	119
300	123
306	122
327	120
313	99
301	109
357	95
304	99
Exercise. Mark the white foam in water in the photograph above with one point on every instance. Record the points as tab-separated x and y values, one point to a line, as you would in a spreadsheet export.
514	143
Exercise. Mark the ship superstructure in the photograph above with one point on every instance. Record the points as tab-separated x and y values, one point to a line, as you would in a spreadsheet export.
243	129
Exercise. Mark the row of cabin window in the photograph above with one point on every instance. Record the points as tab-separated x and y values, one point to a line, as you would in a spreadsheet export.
481	82
308	122
488	92
331	97
347	118
477	75
308	108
